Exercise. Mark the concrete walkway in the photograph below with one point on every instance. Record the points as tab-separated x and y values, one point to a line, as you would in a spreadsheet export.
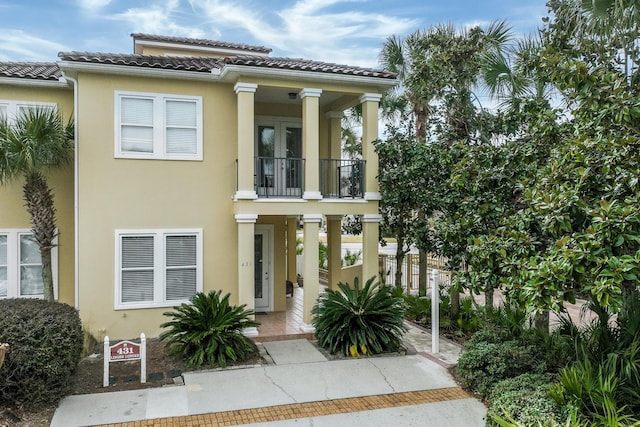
300	388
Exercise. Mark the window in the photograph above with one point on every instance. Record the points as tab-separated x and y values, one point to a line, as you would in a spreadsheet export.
157	126
21	265
9	109
157	268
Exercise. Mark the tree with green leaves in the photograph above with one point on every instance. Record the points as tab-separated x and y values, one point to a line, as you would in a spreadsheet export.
35	142
437	69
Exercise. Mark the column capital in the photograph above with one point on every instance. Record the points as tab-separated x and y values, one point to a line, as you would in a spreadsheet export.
246	218
312	218
371	218
310	92
245	87
370	97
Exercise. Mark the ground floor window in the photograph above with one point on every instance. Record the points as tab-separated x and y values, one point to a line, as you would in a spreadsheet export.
21	265
157	268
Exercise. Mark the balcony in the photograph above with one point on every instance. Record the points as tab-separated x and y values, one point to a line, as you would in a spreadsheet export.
283	177
279	177
342	178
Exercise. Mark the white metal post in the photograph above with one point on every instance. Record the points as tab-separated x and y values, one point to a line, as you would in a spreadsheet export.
143	358
105	375
435	312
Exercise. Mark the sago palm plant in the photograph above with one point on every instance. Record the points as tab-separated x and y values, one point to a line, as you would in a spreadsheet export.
209	331
356	320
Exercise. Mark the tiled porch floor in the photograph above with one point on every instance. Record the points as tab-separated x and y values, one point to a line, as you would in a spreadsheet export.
283	324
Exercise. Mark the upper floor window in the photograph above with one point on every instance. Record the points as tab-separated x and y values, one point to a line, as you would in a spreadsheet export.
21	265
10	109
158	126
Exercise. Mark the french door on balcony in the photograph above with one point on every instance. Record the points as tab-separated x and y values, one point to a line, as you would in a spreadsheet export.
279	164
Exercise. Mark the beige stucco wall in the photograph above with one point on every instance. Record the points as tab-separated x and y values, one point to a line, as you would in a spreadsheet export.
12	211
155	194
144	194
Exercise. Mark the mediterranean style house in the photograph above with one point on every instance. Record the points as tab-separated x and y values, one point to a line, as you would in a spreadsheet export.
195	163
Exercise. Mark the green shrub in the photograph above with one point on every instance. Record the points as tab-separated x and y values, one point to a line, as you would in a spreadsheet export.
417	309
359	321
483	364
598	392
45	341
350	258
525	399
209	331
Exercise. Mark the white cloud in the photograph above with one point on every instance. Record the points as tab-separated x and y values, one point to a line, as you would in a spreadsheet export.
157	19
93	5
17	43
309	29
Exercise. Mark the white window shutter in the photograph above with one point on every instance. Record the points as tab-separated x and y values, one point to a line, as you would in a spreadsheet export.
181	267
4	112
137	269
181	127
136	121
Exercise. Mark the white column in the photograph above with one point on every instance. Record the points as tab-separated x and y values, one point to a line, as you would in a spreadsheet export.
310	267
370	102
311	142
245	93
334	245
292	225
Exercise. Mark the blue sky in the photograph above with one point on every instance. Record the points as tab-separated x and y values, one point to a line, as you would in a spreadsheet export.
344	31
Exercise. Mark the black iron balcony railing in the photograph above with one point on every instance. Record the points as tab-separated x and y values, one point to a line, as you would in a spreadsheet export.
279	177
342	178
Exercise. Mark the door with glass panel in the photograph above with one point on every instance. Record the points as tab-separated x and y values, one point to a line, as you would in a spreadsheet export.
279	163
263	267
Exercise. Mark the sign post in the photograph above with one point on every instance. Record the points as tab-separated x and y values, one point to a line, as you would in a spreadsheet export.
125	351
435	313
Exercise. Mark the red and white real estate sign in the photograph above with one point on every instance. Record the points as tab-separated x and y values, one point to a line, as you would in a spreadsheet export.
125	351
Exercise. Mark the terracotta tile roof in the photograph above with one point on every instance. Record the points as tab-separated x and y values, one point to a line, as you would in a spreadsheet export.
184	63
206	64
200	42
30	70
307	65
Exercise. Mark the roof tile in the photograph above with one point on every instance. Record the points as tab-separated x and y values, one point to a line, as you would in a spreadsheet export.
308	65
200	42
30	70
206	64
184	63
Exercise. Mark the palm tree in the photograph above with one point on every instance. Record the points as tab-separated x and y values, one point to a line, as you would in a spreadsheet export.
35	142
439	66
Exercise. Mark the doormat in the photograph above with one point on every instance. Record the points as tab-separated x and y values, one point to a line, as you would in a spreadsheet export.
261	313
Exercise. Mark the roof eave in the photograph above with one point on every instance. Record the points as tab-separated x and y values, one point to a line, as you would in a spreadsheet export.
24	81
233	72
229	73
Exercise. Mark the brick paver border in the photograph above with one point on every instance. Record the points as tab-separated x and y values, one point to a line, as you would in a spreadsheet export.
304	410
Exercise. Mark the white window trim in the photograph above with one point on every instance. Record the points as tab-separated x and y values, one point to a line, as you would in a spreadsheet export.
159	126
13	106
159	267
13	263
